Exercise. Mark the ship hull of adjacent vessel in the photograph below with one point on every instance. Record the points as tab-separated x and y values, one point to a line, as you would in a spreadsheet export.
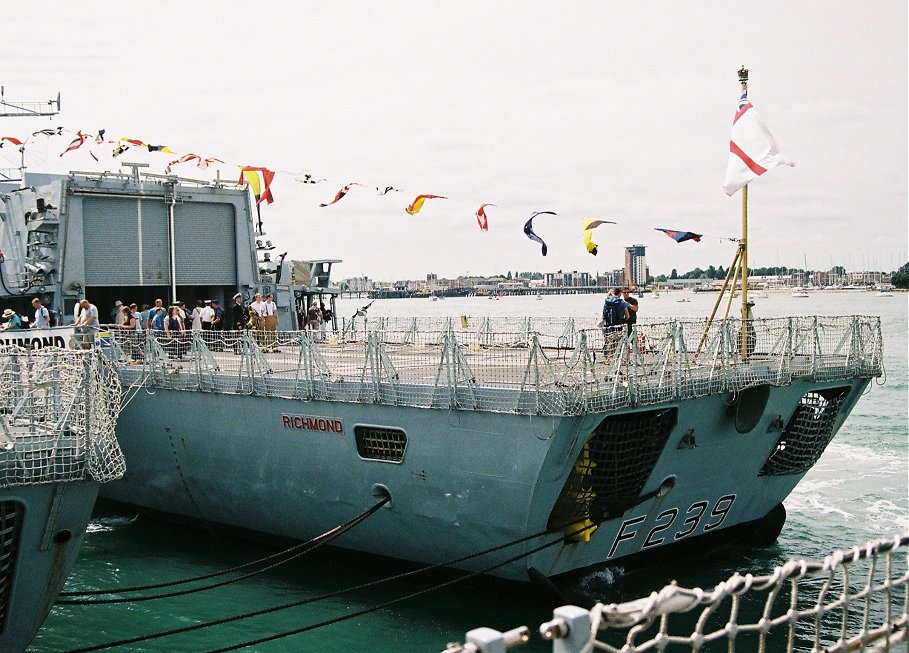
467	480
43	526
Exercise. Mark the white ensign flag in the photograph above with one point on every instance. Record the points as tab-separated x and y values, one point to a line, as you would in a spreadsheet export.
752	149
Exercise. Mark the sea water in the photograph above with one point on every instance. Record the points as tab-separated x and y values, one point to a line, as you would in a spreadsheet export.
856	492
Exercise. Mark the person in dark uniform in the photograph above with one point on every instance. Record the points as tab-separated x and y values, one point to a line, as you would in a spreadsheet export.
238	314
237	320
218	323
632	309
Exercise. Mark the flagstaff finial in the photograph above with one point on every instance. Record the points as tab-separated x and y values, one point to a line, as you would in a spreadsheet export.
743	75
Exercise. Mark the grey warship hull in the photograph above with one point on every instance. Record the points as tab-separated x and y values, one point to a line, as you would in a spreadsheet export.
571	444
57	415
42	528
466	481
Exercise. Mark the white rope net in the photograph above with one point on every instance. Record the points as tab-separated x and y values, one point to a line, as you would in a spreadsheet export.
855	600
58	413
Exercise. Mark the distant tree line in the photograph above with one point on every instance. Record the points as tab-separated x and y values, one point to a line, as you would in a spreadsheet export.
720	273
900	278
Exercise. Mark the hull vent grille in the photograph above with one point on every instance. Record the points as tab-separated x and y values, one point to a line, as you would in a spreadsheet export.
807	434
380	443
10	518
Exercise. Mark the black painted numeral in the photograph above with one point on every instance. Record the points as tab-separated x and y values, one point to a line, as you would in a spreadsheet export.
720	512
700	506
660	528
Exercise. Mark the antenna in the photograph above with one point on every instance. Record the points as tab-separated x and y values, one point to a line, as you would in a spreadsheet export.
27	109
24	110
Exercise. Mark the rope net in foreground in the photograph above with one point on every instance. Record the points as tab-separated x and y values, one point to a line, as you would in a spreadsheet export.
855	600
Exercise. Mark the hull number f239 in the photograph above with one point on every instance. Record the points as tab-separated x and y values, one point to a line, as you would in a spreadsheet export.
690	520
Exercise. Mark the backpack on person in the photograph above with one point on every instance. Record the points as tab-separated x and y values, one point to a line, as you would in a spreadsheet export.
613	314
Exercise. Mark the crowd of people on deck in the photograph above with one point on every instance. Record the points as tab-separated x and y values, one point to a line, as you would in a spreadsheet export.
260	317
175	323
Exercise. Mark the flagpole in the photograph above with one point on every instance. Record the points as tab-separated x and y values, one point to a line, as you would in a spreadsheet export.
729	273
743	243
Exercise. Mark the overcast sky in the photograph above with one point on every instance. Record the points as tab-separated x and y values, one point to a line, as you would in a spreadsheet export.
610	110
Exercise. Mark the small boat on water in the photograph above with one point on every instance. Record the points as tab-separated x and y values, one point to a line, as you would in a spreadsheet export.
574	444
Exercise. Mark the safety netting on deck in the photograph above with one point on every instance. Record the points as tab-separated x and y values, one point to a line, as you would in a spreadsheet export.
58	414
550	366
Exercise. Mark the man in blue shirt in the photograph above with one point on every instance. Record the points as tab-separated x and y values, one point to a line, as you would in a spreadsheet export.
42	316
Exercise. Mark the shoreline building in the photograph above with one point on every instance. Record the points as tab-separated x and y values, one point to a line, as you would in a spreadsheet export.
635	266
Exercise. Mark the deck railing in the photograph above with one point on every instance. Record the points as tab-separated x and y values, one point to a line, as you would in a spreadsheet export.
534	366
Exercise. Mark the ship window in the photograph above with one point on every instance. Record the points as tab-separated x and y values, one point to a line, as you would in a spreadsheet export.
613	467
807	434
380	443
10	517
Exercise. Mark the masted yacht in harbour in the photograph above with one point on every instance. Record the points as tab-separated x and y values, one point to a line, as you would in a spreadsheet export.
549	444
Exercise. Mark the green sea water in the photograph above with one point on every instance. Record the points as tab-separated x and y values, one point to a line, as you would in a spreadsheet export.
855	493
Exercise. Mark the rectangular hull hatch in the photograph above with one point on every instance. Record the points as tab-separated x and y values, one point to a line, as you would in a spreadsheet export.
807	434
10	512
613	466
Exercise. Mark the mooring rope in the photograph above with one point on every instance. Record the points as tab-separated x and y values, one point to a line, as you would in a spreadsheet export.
291	553
381	606
321	597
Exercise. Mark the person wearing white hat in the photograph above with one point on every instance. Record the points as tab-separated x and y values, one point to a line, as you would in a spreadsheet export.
207	313
237	321
238	314
116	313
13	321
